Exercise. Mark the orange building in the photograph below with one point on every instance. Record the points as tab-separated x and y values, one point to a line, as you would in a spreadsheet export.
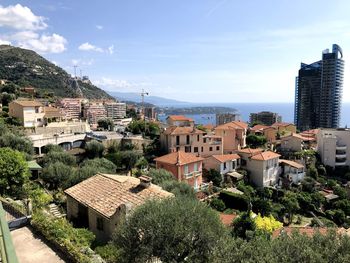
269	132
185	167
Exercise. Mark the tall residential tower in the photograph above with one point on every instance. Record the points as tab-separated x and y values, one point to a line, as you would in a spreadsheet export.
318	91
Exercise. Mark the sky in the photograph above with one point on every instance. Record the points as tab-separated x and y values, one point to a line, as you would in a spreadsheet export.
189	50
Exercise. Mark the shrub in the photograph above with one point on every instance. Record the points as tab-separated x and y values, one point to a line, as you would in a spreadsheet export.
234	201
94	149
110	253
217	204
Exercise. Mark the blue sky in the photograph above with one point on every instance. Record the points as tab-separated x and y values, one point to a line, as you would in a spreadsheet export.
191	50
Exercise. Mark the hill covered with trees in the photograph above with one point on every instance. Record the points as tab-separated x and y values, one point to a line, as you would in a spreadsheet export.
26	68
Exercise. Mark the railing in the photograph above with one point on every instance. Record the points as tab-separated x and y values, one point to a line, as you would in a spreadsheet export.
7	250
194	173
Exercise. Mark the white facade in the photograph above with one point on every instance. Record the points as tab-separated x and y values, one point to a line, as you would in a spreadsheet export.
333	147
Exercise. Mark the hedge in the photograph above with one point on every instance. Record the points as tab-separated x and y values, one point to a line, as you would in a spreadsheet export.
73	242
234	201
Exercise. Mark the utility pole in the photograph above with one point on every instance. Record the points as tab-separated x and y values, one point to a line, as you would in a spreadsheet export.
143	93
81	74
75	71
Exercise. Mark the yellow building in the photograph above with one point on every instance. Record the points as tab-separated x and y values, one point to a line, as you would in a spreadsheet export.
30	113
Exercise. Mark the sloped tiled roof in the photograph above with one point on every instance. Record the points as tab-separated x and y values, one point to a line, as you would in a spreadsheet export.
226	157
259	127
179	118
175	130
28	103
281	124
292	163
233	125
264	156
178	158
104	193
227	219
250	151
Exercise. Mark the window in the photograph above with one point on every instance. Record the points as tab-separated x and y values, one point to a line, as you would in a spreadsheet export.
195	167
177	140
210	149
195	149
99	223
186	169
224	165
187	139
218	148
188	149
198	138
202	149
204	140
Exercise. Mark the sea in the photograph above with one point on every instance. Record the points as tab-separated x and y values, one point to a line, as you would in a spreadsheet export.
286	110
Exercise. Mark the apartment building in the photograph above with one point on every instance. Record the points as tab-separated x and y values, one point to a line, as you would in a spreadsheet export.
222	118
292	143
263	166
186	167
150	113
332	146
224	163
71	108
190	140
179	120
233	135
265	118
30	112
94	111
292	171
115	110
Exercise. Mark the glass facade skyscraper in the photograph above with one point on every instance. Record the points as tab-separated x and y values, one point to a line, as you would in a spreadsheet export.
318	91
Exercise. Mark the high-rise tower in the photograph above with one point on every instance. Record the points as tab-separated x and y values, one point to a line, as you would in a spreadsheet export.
318	91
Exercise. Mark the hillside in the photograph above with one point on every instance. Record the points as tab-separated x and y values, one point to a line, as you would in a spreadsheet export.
26	68
159	101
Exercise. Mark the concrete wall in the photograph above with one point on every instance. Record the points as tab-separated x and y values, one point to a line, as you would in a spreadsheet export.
291	143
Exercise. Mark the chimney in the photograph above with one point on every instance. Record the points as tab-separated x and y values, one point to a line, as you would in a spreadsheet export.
145	181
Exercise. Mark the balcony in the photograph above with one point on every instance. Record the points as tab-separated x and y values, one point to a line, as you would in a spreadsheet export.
342	156
193	174
340	163
341	147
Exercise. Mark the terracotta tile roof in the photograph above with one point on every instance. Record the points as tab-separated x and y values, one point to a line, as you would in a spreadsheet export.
106	192
250	151
259	127
175	130
226	157
227	219
309	231
178	158
51	112
295	135
281	124
28	103
209	127
233	125
263	156
179	118
292	163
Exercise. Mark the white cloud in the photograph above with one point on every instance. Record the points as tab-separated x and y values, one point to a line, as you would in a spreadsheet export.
21	18
4	42
111	49
115	84
23	36
82	62
88	47
45	43
99	27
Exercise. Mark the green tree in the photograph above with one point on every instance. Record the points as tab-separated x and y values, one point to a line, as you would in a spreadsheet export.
106	124
94	149
16	142
291	204
312	172
55	156
171	230
213	176
57	175
243	226
160	176
255	141
13	171
178	188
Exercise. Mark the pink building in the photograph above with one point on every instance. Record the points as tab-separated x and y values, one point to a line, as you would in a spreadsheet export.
179	120
190	140
233	135
70	107
185	167
94	111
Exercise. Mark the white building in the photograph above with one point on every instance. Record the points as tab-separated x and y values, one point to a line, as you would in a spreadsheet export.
115	110
332	146
263	166
293	171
